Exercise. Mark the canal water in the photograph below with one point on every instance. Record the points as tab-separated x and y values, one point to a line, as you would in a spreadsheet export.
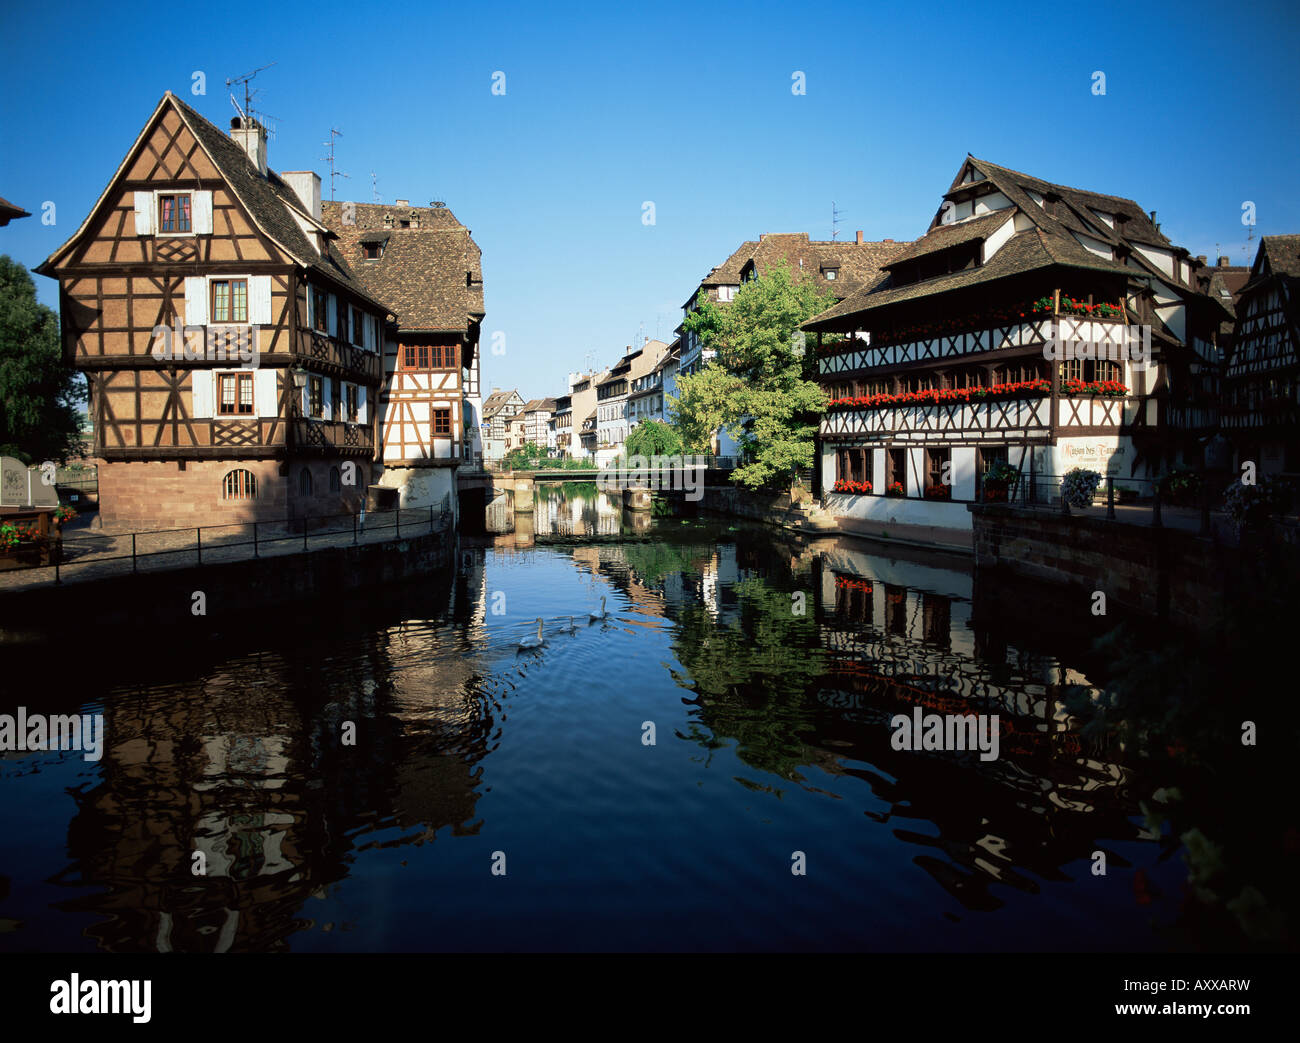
709	767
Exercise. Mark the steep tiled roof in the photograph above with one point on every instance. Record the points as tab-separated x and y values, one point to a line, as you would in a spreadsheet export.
495	402
1283	254
856	264
430	277
269	200
1050	240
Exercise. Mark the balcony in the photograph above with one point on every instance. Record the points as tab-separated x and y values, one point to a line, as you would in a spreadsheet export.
1027	417
342	357
331	436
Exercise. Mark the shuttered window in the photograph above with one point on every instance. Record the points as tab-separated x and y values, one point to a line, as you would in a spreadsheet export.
174	213
229	301
236	394
320	316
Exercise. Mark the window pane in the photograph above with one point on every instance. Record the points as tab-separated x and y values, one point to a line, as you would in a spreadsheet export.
239	311
183	213
221	301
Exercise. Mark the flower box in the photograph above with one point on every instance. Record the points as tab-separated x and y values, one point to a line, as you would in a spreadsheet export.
896	490
938	492
855	488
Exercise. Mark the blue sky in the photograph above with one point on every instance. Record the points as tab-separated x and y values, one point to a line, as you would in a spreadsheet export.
687	106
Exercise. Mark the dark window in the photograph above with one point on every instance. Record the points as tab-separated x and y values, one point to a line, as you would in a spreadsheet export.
336	483
370	251
304	482
315	396
229	300
896	468
236	394
352	403
357	335
174	213
442	421
935	461
239	485
322	317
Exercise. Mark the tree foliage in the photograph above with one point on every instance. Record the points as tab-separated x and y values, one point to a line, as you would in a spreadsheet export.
39	392
653	438
760	386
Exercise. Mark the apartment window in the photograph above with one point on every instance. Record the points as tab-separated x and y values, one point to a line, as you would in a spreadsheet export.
442	421
1107	370
938	463
1072	369
322	306
315	396
174	213
304	482
416	356
236	394
336	483
444	356
239	485
229	300
352	397
831	273
357	335
370	251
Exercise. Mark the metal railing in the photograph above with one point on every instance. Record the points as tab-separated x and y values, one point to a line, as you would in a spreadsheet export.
159	549
1141	500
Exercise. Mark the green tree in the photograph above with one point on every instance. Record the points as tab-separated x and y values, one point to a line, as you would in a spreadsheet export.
760	387
39	392
653	438
528	455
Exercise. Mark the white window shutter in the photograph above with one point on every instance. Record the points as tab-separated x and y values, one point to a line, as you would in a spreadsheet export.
266	392
327	404
306	397
202	407
311	307
361	406
202	212
333	329
196	300
144	207
259	300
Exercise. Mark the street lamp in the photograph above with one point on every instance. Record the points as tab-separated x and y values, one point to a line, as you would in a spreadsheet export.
299	374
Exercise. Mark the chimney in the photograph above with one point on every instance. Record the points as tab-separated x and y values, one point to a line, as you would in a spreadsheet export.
859	236
1223	262
1202	260
306	186
402	202
250	135
886	240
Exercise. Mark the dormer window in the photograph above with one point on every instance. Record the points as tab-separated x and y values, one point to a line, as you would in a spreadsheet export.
388	220
370	251
830	273
404	223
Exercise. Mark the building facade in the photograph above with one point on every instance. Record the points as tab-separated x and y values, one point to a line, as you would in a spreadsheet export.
232	355
1034	326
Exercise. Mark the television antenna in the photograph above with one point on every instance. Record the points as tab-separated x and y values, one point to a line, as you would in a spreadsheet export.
835	222
374	188
334	133
250	95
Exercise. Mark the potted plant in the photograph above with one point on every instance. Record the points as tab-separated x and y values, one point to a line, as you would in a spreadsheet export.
895	489
1251	506
997	480
1079	486
1181	486
938	492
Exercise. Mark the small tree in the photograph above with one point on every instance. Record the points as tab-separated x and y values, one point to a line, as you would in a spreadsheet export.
761	389
39	392
527	456
653	438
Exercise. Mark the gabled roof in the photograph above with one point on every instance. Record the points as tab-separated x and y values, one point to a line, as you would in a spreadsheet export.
497	401
1048	241
431	277
270	203
856	264
1283	254
539	405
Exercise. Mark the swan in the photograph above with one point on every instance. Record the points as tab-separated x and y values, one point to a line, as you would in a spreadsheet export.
534	642
602	614
569	628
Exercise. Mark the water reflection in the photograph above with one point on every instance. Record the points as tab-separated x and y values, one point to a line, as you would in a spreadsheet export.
308	770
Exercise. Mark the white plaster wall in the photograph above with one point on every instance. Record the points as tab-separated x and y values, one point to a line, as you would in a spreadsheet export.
890	510
963	473
421	486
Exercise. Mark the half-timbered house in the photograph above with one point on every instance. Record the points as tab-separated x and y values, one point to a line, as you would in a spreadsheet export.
1261	409
1033	325
425	266
231	354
